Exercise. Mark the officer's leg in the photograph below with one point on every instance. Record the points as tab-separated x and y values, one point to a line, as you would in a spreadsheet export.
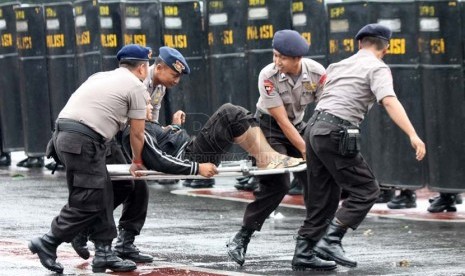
269	195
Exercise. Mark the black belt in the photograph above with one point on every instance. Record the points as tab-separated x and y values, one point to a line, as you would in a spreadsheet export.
68	125
266	117
330	118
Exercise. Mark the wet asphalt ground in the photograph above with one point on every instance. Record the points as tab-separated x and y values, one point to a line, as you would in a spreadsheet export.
187	235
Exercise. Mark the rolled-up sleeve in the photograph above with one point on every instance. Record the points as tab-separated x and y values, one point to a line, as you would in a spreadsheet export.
138	103
381	83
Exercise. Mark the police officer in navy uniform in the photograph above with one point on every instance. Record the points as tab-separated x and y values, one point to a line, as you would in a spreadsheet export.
352	86
286	87
95	112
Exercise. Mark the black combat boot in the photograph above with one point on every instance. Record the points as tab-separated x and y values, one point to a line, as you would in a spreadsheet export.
237	245
126	249
105	258
330	248
406	199
305	258
79	244
31	162
444	202
5	159
46	249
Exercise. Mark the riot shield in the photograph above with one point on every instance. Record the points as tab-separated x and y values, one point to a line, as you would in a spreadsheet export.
263	20
226	39
111	38
10	100
60	43
444	101
309	19
87	28
183	30
345	19
35	103
386	145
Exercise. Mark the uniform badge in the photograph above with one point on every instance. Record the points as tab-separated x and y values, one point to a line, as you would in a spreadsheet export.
178	66
268	86
309	86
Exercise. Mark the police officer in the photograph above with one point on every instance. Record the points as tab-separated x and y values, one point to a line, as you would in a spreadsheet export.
352	86
93	115
5	157
286	87
166	72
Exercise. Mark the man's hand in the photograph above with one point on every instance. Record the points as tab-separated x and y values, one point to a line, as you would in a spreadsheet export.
207	169
179	117
135	167
419	146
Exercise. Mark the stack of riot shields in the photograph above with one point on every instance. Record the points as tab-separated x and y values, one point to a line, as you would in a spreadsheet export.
441	59
87	28
35	103
226	40
183	30
110	32
392	157
264	18
60	44
10	101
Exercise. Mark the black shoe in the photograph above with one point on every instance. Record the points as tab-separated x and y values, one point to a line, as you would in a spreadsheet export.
296	188
31	162
330	247
385	196
187	182
406	199
247	183
79	244
304	257
167	181
46	249
444	202
458	199
202	183
55	166
125	248
105	259
5	159
237	245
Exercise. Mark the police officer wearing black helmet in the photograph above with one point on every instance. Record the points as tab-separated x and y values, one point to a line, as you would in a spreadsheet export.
286	87
352	86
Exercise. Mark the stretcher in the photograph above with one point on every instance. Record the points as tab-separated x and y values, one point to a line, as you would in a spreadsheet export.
225	169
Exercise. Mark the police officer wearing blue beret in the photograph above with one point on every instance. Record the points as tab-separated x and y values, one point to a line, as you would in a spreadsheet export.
332	138
93	115
286	87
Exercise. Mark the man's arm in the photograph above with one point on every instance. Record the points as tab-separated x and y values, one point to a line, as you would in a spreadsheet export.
137	143
397	113
280	115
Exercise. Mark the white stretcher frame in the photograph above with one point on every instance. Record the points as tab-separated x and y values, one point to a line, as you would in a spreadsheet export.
234	169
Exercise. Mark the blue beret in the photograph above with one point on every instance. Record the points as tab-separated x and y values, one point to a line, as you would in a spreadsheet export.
290	43
174	59
375	30
134	52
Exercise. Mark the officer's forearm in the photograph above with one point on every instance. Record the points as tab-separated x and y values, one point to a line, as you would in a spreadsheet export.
397	113
137	138
293	136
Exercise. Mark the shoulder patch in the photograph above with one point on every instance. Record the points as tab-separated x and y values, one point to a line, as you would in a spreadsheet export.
269	86
322	79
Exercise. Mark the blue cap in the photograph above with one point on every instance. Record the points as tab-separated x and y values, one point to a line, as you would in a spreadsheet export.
174	59
134	52
374	30
290	43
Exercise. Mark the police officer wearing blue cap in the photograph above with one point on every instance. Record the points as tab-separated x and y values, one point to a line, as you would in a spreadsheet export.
286	87
93	115
334	162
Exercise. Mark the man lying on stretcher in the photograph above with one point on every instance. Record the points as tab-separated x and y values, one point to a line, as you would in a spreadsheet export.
172	151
